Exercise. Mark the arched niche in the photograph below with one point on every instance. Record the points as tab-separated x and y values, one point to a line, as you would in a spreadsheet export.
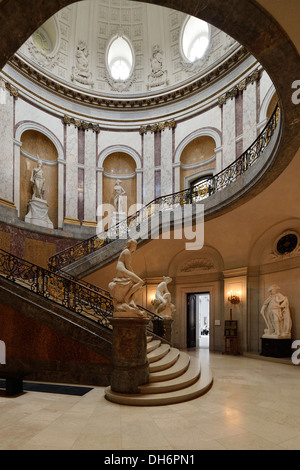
37	145
119	166
197	160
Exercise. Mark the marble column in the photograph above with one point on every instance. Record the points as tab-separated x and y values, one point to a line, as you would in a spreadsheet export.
166	162
149	165
229	152
249	115
7	147
72	175
90	177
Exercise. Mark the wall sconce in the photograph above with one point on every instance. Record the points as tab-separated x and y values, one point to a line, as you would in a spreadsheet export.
152	298
234	297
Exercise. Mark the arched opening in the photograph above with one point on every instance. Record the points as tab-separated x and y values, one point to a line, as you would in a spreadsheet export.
197	161
36	145
119	166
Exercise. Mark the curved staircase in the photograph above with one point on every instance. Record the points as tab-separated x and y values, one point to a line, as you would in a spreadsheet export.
174	377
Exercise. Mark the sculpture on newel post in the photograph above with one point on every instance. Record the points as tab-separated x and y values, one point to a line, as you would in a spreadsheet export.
130	362
126	285
275	311
164	309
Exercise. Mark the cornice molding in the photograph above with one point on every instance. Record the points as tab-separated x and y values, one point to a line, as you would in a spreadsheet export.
240	87
125	102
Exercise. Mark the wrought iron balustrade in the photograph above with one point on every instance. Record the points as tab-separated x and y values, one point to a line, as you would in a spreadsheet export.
195	194
57	288
77	295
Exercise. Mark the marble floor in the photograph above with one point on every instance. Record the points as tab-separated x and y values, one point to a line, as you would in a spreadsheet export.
253	404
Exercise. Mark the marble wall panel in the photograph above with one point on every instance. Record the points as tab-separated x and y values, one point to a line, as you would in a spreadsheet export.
71	173
149	168
5	241
229	132
38	252
166	161
90	176
249	115
7	148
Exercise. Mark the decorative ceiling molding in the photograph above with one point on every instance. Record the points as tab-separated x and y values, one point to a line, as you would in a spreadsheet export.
93	98
157	127
80	124
240	87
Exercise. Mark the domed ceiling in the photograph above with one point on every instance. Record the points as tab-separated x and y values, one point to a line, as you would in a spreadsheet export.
126	48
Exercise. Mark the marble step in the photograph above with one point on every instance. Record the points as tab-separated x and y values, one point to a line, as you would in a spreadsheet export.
158	352
180	366
197	389
166	361
190	376
154	344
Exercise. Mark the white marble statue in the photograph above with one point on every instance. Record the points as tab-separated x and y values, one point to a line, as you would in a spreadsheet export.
126	285
277	316
119	197
38	181
162	302
37	206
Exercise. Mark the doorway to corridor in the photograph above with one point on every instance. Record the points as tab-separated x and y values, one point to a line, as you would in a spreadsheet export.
198	306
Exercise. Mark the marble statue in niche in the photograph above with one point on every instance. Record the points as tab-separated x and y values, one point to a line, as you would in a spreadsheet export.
162	302
126	285
119	197
81	73
38	181
277	316
38	207
158	76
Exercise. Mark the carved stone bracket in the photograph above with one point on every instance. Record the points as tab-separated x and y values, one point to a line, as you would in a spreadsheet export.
80	124
240	87
157	127
11	88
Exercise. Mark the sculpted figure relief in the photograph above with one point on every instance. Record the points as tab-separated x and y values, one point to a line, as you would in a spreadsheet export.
126	285
162	302
38	181
276	313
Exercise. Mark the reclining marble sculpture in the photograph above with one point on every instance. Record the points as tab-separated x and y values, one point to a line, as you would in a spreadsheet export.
126	285
162	302
277	316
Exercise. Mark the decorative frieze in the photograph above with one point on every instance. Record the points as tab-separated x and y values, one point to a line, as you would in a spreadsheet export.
80	124
157	127
240	87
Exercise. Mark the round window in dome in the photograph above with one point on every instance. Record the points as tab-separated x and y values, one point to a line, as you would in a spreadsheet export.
195	39
120	59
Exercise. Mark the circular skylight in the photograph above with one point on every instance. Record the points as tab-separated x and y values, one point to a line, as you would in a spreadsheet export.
195	39
120	59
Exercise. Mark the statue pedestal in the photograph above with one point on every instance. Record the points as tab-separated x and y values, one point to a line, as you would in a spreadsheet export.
38	213
130	362
276	347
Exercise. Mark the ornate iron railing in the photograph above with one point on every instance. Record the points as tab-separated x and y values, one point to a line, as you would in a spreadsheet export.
57	288
195	194
79	296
